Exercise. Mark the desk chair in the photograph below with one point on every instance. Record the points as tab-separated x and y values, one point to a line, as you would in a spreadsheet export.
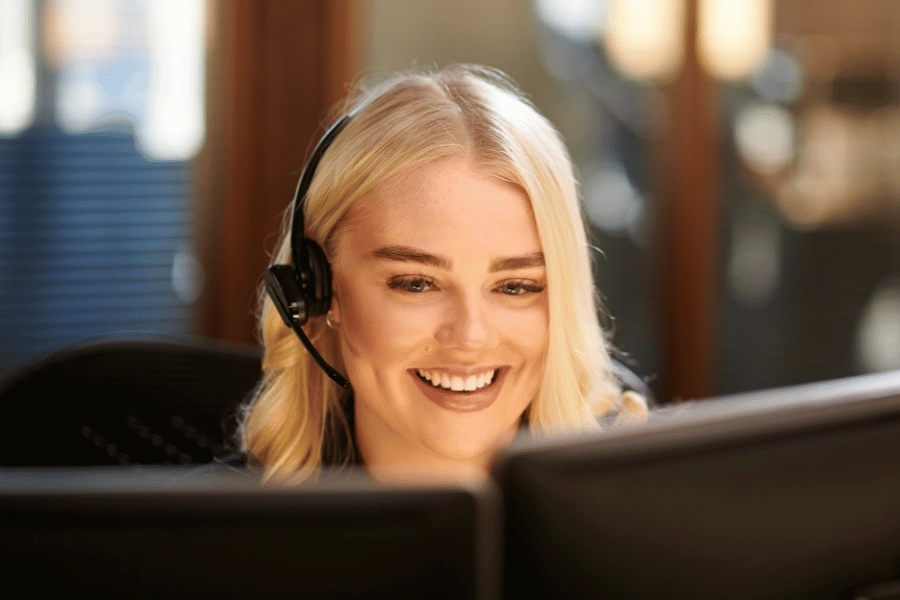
148	401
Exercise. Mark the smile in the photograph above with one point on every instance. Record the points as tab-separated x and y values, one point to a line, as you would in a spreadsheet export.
456	383
461	391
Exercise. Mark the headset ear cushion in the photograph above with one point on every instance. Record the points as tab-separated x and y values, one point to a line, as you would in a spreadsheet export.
318	285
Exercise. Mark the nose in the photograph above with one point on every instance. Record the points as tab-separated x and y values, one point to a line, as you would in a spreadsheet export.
467	324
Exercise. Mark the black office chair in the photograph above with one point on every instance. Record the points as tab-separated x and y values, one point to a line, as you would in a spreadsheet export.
148	401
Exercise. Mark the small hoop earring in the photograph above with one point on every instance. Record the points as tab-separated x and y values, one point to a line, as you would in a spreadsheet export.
328	320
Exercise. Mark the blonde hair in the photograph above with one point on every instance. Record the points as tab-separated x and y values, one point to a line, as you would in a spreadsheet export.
296	420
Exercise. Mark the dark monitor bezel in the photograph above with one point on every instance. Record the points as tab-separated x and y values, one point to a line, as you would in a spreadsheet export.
541	472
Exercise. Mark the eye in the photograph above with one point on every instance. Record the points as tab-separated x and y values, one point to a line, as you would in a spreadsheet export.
518	287
414	285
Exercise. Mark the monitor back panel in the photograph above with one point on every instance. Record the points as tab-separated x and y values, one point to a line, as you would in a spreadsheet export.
792	498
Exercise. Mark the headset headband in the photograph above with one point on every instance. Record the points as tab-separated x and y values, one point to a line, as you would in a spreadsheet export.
298	223
303	289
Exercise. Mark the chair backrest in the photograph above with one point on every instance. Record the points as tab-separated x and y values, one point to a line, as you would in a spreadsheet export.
143	401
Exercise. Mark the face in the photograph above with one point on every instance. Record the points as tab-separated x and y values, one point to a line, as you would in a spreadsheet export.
441	311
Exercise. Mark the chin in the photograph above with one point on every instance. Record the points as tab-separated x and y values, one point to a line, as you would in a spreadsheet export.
463	448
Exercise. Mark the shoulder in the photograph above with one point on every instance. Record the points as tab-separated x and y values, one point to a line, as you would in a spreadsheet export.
634	401
630	382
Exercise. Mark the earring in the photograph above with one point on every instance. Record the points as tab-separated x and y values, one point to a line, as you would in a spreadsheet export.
328	320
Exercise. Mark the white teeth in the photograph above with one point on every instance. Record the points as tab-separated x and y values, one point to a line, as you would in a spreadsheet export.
457	383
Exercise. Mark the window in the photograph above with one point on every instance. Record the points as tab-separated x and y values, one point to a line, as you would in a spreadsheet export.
105	113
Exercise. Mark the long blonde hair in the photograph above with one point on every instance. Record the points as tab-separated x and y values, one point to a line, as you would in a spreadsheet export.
296	420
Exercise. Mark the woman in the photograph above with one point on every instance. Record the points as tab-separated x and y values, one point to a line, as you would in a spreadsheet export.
462	301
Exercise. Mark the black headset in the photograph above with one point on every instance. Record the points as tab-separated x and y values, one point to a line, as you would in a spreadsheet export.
303	290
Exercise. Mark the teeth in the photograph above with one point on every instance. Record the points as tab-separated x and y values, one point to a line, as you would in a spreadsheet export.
456	383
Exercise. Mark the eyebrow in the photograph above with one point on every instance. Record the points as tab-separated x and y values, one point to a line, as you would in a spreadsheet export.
407	254
511	263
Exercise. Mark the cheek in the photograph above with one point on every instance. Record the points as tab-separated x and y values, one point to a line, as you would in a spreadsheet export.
527	329
377	329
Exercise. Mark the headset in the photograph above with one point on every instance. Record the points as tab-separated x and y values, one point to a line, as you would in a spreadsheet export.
303	290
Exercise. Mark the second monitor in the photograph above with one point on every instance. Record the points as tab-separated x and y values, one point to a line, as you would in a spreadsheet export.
791	493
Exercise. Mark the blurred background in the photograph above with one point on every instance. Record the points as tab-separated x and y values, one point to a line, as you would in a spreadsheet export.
739	163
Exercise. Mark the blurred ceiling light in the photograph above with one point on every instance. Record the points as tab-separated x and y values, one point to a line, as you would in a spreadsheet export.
838	173
18	81
754	266
80	104
81	31
878	331
174	128
779	79
583	20
610	201
645	37
820	187
187	276
764	135
733	36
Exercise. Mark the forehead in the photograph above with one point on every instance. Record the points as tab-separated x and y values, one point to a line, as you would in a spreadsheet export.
448	206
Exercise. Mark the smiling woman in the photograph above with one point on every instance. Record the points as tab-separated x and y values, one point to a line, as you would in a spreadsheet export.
462	300
462	304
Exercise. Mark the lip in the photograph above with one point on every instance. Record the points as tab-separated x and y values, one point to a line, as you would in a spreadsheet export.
463	401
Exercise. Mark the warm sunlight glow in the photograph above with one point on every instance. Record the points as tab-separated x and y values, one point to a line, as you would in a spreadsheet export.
733	36
17	69
644	39
174	128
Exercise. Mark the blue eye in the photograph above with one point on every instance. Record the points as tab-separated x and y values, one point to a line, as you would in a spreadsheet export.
414	285
520	288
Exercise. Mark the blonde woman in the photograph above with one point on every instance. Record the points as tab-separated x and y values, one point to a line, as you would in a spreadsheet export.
462	305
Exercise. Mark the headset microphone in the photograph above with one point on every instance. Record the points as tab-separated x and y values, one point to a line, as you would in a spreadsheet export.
303	290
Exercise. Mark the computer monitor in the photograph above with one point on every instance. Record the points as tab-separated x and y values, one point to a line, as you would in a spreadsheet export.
790	493
169	533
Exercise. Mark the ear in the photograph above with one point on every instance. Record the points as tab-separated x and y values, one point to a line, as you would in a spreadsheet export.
335	308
